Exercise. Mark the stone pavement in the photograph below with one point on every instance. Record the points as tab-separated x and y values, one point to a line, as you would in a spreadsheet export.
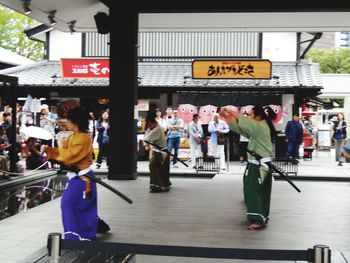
204	212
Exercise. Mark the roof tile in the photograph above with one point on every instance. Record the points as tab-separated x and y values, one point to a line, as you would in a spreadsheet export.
171	74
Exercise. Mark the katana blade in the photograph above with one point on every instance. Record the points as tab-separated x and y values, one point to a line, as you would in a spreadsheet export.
275	168
166	151
283	174
127	199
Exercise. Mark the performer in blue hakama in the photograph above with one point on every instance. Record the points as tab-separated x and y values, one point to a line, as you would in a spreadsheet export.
79	200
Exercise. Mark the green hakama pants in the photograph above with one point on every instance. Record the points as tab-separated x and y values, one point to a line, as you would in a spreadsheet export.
257	183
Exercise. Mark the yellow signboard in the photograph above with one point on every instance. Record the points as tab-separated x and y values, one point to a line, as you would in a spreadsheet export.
231	69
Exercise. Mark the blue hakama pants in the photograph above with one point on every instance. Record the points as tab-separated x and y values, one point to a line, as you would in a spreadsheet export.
79	210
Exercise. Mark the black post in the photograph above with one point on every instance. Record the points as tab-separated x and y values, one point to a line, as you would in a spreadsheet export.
297	100
123	82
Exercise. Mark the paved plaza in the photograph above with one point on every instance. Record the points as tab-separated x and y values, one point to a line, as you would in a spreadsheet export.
205	212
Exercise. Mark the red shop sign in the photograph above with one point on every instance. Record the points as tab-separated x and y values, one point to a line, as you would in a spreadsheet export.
85	68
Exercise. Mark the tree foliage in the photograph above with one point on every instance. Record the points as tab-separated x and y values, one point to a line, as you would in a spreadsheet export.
12	37
335	60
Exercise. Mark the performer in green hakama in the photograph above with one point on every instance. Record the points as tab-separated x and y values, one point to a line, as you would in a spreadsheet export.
257	180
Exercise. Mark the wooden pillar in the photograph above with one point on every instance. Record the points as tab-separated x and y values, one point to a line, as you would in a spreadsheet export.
123	85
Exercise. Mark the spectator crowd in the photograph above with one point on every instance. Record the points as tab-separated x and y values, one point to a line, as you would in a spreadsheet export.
29	150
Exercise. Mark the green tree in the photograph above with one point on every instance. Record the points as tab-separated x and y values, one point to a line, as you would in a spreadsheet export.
12	37
335	60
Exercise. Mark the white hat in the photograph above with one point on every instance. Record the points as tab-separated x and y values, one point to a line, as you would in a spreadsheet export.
44	106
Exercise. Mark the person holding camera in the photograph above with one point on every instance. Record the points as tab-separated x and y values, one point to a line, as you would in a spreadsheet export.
218	128
34	155
47	121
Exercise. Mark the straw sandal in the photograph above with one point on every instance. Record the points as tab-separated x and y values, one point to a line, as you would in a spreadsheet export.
256	226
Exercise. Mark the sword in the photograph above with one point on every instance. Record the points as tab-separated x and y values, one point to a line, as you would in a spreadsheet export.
166	151
127	199
99	181
275	168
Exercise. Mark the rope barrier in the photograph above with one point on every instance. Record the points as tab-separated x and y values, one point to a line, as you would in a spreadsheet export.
29	173
318	254
183	251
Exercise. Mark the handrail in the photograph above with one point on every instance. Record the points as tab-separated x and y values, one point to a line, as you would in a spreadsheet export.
319	254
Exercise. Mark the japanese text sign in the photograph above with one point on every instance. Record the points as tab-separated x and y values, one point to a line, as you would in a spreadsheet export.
85	68
231	69
143	105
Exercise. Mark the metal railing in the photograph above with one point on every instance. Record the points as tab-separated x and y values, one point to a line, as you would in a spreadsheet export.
317	254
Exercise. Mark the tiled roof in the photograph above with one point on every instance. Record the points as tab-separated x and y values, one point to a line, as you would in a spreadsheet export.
178	74
172	74
48	73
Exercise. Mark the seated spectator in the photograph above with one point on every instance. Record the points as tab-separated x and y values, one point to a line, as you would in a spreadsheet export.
1	117
346	154
4	142
4	146
6	121
4	166
34	155
345	150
